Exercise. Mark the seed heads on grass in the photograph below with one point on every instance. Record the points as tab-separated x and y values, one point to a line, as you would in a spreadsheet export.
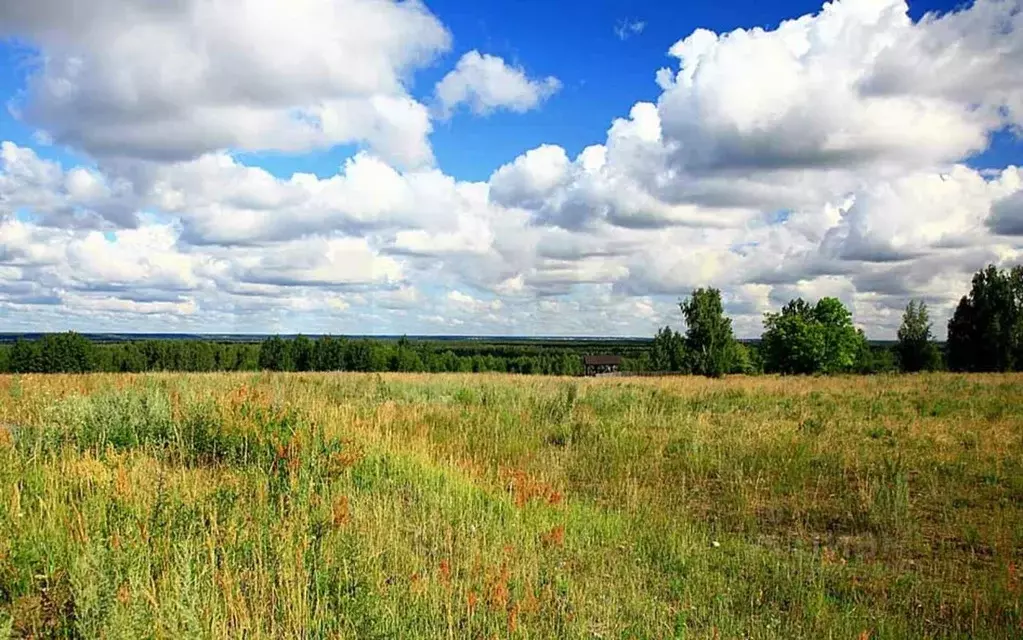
1012	579
124	594
445	573
513	618
340	512
341	461
416	584
498	593
122	486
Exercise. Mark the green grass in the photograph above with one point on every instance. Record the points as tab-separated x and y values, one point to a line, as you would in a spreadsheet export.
401	506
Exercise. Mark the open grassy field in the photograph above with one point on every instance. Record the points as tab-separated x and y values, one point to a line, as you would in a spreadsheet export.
479	506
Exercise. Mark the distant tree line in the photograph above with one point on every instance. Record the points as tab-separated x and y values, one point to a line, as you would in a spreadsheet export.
984	334
341	354
74	353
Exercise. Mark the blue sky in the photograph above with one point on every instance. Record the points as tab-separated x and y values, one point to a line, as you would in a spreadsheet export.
175	139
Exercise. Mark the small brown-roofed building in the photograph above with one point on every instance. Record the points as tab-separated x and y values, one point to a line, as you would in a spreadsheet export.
602	365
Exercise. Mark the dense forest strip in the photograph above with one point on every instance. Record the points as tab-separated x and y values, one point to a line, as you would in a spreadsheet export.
77	353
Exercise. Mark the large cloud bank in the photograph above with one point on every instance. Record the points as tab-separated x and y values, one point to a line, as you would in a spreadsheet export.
828	156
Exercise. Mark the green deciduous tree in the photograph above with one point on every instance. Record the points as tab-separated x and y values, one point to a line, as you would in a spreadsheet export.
986	331
805	338
198	355
742	360
65	353
329	354
404	357
275	355
916	350
709	343
25	357
791	342
301	353
129	359
667	353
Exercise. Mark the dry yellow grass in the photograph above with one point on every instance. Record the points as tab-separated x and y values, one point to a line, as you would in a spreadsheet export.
320	505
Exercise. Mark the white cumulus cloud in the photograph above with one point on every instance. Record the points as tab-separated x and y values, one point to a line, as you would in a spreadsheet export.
171	81
486	83
828	156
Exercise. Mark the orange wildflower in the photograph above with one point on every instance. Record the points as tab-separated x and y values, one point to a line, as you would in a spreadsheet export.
513	619
555	537
340	512
445	572
499	594
124	595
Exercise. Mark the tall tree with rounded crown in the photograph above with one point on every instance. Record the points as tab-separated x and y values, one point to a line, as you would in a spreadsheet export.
916	349
710	345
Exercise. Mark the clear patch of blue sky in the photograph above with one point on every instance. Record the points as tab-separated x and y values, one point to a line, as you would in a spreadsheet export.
1005	148
323	163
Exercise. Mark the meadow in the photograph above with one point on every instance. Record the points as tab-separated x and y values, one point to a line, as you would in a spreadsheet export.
313	505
